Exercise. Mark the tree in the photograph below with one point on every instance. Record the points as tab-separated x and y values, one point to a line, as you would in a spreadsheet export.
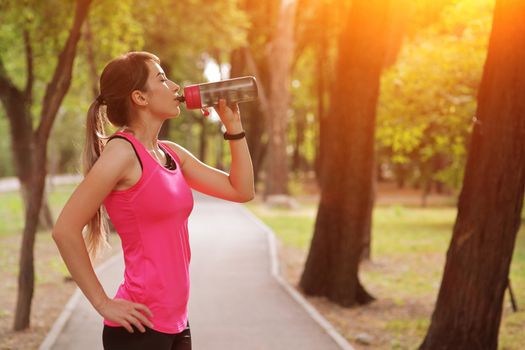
282	49
36	147
469	305
256	59
268	56
345	208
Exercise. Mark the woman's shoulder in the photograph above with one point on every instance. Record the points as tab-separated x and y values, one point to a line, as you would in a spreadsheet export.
119	149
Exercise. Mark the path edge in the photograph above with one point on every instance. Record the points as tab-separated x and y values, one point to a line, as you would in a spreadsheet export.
276	273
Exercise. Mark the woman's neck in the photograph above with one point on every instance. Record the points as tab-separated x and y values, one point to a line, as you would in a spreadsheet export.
147	136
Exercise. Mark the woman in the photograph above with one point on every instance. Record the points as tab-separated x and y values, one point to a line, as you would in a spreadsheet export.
144	185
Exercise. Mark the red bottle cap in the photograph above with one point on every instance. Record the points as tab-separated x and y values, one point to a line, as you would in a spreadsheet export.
193	97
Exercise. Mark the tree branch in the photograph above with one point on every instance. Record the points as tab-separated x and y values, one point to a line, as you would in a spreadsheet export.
6	85
59	85
29	63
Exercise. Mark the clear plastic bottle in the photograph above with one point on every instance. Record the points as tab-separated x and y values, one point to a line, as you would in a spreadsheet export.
207	95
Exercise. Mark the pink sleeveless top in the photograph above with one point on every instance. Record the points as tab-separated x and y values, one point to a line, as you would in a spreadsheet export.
151	218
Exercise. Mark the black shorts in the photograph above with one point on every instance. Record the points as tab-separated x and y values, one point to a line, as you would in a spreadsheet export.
118	338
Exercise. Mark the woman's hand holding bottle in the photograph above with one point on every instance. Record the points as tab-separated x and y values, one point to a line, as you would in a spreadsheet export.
230	116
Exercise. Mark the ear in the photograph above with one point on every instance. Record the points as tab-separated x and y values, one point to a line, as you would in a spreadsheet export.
139	98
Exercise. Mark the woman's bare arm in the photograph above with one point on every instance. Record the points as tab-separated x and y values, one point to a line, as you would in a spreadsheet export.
238	185
81	207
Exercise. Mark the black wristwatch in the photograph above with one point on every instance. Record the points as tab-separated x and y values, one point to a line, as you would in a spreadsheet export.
234	136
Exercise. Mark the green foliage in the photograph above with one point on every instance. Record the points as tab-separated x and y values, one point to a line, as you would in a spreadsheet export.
115	30
12	213
179	32
428	98
424	13
47	24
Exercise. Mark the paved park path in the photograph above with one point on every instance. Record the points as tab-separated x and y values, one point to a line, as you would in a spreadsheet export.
237	298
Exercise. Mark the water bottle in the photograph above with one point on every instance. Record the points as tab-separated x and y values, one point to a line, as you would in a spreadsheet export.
207	95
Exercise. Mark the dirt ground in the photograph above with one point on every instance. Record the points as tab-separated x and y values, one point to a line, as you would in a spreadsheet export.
363	327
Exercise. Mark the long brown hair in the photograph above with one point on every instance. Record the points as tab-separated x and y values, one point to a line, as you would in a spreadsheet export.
120	77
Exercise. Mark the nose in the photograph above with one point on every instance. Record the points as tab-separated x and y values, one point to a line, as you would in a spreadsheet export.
176	87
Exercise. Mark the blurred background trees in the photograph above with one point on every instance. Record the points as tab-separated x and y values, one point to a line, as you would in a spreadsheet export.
419	141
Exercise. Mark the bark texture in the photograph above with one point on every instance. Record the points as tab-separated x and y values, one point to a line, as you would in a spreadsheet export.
282	49
469	304
346	181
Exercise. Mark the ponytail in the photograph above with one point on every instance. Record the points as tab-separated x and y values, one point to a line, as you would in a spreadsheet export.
97	228
118	80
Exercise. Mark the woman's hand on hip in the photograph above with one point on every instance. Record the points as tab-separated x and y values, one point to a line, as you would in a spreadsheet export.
125	313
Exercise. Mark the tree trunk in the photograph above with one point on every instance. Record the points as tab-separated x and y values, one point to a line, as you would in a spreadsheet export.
401	172
55	92
259	114
366	253
379	172
347	173
203	142
320	72
297	157
469	305
282	49
244	62
17	105
253	114
440	163
45	218
26	276
396	28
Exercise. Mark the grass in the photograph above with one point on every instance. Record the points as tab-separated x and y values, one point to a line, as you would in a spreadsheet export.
11	227
11	211
409	246
12	208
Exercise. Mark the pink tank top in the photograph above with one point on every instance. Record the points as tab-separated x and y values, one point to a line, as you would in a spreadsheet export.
151	218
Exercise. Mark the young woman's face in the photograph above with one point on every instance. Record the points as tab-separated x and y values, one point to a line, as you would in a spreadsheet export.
162	92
